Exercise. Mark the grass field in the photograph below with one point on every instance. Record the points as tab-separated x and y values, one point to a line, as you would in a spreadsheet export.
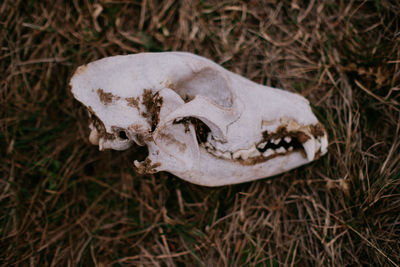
64	203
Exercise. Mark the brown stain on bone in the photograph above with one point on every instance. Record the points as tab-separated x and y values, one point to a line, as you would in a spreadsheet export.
200	128
260	159
99	125
171	140
106	98
133	102
147	167
318	130
152	103
142	135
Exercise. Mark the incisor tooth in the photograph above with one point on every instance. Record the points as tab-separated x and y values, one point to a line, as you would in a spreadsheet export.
309	148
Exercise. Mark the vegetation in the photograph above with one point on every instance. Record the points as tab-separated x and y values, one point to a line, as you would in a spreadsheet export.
64	203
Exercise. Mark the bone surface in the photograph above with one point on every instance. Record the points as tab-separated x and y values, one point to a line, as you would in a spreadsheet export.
198	120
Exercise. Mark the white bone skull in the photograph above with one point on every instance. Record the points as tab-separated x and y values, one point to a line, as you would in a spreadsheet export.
199	121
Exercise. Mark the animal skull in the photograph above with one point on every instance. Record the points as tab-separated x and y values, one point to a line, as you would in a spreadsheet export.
199	121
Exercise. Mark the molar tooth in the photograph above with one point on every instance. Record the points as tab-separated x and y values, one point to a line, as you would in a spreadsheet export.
237	154
268	152
281	150
287	139
276	141
262	145
253	152
244	156
227	155
309	148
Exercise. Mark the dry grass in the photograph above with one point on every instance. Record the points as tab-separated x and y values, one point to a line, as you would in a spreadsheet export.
63	203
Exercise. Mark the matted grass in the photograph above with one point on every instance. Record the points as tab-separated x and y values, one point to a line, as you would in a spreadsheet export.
64	203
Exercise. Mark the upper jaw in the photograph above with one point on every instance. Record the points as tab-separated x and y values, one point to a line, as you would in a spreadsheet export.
279	140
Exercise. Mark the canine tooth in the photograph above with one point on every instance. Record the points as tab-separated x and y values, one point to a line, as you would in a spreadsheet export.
262	145
268	152
324	144
309	148
280	150
276	141
287	139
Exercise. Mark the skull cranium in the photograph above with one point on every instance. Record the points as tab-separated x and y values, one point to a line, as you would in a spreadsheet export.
199	121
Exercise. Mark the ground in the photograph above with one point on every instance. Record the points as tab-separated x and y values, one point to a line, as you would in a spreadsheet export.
64	203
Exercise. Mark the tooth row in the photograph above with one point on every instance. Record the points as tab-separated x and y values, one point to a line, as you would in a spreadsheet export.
275	141
245	154
311	147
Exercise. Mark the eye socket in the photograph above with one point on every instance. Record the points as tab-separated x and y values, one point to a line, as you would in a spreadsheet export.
123	135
